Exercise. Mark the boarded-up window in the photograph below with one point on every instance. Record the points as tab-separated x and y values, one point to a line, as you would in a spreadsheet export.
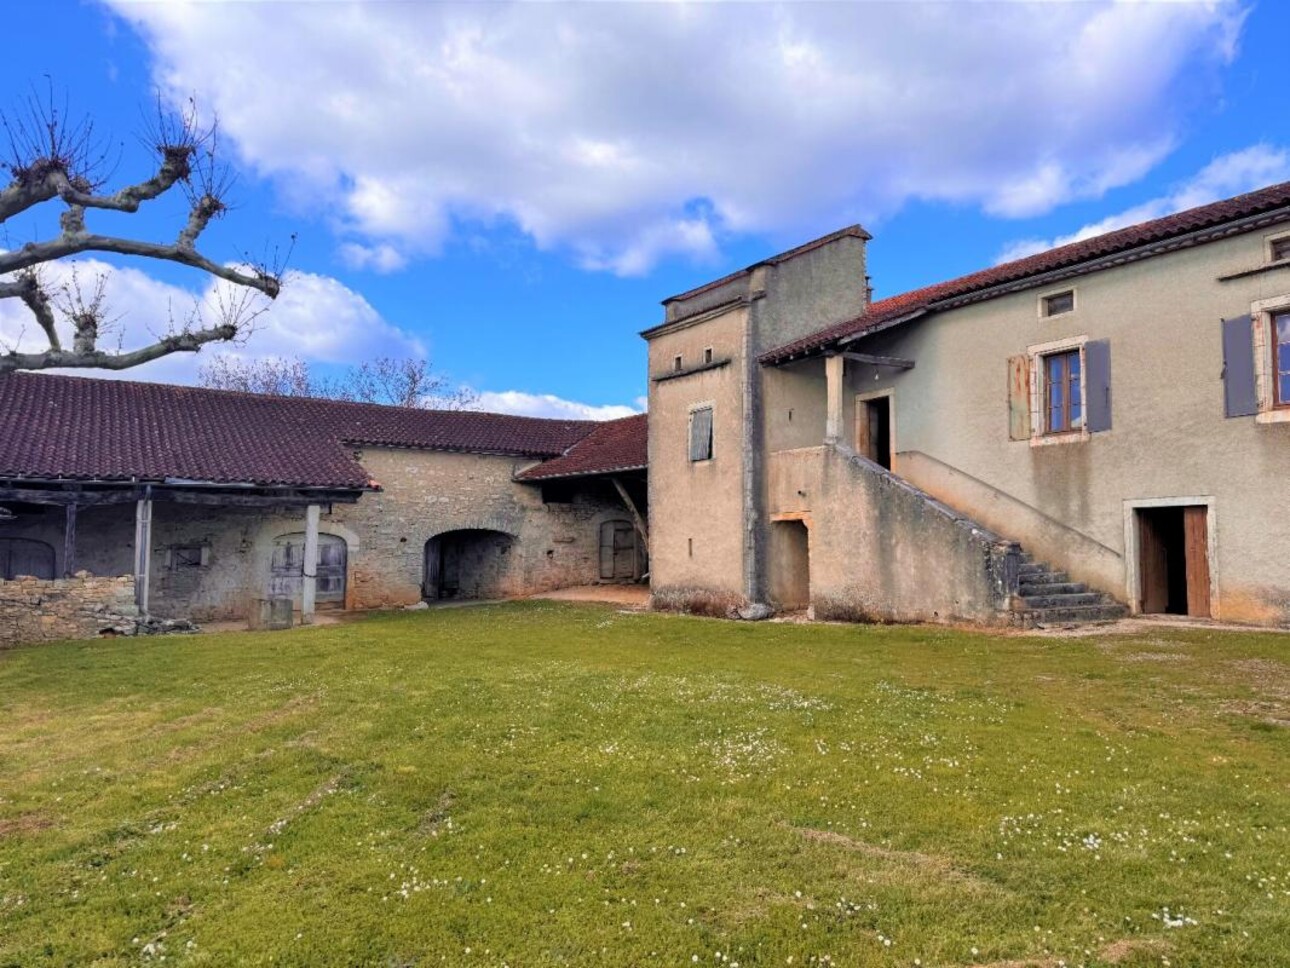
1240	397
701	434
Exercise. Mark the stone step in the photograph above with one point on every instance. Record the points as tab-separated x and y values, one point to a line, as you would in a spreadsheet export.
1076	615
1065	600
1030	588
1045	577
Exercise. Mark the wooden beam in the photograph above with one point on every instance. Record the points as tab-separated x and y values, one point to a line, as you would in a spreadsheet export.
641	527
895	362
130	494
32	495
69	542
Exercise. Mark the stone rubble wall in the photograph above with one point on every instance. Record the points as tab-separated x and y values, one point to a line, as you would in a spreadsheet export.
81	607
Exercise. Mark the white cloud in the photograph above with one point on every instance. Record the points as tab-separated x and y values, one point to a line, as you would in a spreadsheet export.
548	405
623	134
1225	176
316	318
383	258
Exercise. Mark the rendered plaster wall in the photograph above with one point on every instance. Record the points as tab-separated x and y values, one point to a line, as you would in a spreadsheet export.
697	516
1169	438
879	550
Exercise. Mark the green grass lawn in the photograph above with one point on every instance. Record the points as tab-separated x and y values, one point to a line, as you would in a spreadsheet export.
537	783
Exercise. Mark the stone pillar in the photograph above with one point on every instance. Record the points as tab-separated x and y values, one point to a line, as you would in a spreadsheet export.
142	553
309	583
833	371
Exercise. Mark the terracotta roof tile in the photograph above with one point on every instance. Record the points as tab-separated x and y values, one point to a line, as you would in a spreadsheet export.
91	429
1158	230
615	445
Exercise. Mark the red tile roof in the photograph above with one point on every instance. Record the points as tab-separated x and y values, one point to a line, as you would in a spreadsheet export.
1255	203
90	429
615	445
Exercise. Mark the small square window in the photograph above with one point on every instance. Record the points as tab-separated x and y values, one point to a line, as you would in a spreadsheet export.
1279	249
186	556
707	356
701	434
676	365
1059	303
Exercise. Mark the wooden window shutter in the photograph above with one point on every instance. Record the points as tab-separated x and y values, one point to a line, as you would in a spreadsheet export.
1097	385
1019	397
1240	398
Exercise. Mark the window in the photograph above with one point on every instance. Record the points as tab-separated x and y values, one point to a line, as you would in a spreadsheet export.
1063	400
186	556
1279	249
1281	358
701	434
707	356
676	365
1059	302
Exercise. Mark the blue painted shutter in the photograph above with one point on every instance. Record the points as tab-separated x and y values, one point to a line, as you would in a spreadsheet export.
1240	398
1097	385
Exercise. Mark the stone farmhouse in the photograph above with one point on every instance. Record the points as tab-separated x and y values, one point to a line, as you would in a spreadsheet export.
962	452
212	502
1099	428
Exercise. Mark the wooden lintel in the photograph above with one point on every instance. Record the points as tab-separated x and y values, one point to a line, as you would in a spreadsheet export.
128	495
895	362
64	498
641	527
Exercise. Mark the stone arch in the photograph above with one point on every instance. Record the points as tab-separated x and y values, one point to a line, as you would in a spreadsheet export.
28	557
468	563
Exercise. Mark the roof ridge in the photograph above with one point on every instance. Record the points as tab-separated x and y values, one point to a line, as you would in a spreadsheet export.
1199	217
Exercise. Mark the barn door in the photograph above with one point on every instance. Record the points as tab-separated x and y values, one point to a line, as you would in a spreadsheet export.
617	551
287	567
1153	565
1196	536
332	559
449	567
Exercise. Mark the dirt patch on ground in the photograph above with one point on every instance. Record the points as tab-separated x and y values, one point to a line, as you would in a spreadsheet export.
941	867
27	823
632	596
1113	954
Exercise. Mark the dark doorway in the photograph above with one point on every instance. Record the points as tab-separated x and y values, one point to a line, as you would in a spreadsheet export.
618	554
1173	560
24	557
873	430
466	564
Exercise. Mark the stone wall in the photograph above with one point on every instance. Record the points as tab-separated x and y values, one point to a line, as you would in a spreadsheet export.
35	610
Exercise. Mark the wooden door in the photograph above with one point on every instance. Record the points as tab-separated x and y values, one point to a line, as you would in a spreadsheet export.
617	551
1153	566
449	567
1196	532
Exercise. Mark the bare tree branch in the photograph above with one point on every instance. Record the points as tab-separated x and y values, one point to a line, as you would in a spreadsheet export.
27	288
37	253
54	159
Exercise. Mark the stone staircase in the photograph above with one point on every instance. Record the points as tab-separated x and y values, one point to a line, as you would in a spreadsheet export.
1046	598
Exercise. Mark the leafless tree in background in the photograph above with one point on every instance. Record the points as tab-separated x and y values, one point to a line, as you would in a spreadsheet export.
393	382
53	159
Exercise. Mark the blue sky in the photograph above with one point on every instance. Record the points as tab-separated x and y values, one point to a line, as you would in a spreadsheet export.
511	189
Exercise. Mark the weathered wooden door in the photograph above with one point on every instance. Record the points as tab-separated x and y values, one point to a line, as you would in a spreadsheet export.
617	551
287	568
1196	531
23	556
449	566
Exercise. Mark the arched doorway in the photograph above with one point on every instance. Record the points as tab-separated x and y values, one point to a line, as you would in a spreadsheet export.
468	563
25	557
286	571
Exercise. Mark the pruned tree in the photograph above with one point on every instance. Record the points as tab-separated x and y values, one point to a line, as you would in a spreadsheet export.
393	382
53	160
